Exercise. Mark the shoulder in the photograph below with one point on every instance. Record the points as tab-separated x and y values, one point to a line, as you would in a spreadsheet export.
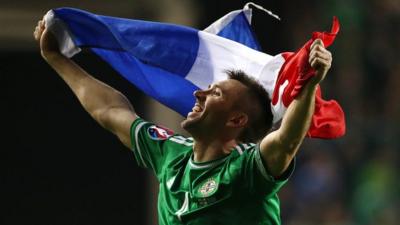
153	131
242	150
181	140
144	133
240	155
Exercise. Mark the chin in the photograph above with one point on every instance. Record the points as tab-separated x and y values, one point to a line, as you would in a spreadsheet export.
187	124
190	123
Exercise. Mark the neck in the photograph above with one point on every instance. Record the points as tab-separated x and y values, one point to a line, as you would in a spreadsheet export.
205	151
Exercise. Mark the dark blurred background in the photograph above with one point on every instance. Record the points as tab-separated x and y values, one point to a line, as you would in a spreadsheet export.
57	166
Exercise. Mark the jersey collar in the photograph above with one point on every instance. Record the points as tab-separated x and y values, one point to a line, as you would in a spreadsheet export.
206	165
240	148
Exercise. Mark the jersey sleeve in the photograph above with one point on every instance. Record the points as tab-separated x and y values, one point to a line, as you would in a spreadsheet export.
256	176
149	143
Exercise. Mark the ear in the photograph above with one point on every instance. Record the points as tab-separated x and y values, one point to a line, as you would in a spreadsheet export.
238	120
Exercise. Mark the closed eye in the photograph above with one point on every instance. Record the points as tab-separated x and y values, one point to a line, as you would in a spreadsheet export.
215	90
216	93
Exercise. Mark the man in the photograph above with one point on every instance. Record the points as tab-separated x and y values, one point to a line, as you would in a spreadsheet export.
218	176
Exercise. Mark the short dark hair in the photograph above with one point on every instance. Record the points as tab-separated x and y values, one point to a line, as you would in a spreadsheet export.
258	110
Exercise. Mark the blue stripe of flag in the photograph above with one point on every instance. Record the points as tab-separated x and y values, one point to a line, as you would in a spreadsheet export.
170	47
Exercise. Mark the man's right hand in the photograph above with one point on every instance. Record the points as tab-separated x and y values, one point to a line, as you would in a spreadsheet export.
47	41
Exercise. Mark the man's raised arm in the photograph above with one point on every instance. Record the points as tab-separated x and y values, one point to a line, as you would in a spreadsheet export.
279	147
106	105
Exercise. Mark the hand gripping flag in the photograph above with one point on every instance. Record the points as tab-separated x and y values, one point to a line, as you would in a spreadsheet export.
169	62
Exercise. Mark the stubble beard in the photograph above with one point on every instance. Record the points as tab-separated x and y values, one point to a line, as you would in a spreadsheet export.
195	125
189	125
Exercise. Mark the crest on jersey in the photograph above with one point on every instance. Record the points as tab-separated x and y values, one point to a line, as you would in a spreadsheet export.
209	187
159	133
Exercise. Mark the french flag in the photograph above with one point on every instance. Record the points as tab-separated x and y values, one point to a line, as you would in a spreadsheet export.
169	62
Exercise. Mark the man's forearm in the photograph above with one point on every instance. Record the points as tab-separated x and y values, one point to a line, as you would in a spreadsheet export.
279	147
297	119
107	106
95	96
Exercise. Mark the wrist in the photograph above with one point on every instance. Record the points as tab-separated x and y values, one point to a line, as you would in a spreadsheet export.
314	81
309	89
311	85
50	56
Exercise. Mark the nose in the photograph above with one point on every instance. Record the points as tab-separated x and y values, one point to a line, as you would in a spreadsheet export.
199	94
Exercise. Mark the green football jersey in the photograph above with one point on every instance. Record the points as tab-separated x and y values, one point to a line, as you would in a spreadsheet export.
235	189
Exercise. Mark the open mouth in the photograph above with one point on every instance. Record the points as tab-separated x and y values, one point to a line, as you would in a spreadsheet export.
197	108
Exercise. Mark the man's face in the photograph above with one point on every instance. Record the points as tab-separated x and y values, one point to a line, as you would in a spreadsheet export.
214	107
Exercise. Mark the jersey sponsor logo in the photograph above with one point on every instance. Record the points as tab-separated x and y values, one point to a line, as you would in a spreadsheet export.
209	187
159	133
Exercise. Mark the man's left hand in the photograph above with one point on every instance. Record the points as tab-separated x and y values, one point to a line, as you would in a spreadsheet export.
320	59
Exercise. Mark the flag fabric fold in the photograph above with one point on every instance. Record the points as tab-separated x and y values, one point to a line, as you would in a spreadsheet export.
169	62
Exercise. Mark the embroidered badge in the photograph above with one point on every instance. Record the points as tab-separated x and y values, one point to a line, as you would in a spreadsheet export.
159	133
208	188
